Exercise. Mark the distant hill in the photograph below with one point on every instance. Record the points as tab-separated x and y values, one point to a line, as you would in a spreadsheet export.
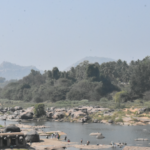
12	71
91	59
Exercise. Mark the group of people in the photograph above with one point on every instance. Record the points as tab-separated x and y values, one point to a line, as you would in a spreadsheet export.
54	135
65	138
88	142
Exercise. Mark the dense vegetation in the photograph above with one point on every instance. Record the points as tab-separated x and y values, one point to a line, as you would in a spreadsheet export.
112	80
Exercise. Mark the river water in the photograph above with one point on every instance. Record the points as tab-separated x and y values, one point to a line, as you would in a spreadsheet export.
116	133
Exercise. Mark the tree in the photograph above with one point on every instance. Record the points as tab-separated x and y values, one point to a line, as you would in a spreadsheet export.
39	110
55	73
119	97
92	72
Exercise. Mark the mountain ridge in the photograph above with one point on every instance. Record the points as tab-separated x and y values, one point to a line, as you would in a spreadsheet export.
12	71
91	59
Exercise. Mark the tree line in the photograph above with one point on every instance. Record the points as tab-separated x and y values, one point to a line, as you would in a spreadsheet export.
85	81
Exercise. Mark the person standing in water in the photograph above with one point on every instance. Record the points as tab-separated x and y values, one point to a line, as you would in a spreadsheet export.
65	138
81	141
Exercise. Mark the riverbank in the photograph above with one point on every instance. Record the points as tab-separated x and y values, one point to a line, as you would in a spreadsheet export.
83	114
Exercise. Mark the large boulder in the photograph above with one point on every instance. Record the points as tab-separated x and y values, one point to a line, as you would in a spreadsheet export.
49	115
100	136
30	109
12	128
58	115
26	115
32	136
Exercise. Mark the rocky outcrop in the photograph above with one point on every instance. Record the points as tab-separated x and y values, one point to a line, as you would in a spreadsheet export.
100	136
32	136
12	128
26	115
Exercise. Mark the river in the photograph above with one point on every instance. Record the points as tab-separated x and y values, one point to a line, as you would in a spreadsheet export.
116	133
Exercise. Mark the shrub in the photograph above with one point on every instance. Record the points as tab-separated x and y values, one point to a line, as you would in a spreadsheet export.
119	120
103	99
37	99
39	110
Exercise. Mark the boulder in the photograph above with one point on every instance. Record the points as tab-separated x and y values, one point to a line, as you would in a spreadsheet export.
30	109
78	114
11	117
60	110
142	110
58	115
94	134
52	108
100	136
12	109
26	115
84	110
32	136
12	128
110	121
17	112
95	121
49	115
18	108
18	117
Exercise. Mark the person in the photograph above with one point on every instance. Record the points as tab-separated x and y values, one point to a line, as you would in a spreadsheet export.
68	140
65	138
58	136
88	142
81	141
30	143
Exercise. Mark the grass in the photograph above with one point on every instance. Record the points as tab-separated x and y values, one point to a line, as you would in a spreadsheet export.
75	103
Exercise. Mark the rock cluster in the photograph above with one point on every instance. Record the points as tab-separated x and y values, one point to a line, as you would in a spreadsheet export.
16	113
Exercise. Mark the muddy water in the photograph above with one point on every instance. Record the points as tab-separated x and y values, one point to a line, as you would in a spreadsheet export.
77	131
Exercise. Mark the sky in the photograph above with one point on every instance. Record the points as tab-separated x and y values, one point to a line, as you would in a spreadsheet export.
49	33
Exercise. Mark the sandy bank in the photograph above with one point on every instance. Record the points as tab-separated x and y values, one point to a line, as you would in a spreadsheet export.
49	143
91	146
136	148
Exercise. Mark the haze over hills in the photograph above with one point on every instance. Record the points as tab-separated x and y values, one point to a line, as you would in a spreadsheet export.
91	59
12	71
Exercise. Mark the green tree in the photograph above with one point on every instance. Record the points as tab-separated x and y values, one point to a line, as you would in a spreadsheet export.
92	72
39	110
55	73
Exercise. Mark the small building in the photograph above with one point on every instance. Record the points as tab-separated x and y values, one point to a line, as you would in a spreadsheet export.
14	139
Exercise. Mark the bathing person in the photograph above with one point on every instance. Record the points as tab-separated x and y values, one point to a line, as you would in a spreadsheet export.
88	142
81	141
65	138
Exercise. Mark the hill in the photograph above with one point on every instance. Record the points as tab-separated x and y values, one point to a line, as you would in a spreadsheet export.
12	71
91	59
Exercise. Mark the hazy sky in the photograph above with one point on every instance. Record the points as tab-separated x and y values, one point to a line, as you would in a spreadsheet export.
48	33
